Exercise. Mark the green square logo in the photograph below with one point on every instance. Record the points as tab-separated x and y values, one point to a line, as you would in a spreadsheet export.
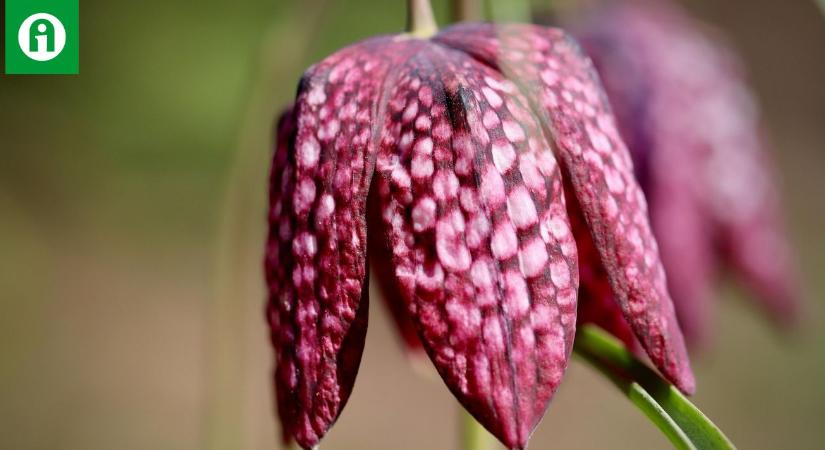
42	36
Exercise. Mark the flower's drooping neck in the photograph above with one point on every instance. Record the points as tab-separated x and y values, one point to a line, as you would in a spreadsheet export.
420	19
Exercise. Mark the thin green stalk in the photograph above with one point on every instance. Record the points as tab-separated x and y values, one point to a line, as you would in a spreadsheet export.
642	400
236	298
681	421
420	19
473	435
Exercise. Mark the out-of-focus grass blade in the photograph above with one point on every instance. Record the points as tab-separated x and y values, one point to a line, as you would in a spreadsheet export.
508	10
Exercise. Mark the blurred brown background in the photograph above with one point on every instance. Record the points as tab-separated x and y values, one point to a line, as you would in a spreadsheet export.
132	202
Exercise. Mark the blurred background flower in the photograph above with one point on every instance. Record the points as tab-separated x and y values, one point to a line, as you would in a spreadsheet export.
694	129
132	214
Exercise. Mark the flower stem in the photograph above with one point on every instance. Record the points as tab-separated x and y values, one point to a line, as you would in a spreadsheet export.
473	435
420	18
680	421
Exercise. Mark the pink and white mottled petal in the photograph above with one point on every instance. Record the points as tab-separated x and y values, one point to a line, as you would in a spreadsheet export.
318	272
469	256
638	57
383	272
597	303
596	164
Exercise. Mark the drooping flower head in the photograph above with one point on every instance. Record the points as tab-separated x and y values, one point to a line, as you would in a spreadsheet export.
694	133
479	162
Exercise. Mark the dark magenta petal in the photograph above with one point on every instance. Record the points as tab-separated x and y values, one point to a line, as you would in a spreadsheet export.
567	95
278	257
316	255
473	210
632	48
383	272
597	304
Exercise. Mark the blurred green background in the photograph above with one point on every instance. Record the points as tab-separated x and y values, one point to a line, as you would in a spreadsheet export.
132	205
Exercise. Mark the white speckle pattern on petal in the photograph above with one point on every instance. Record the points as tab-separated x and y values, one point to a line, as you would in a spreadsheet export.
472	236
564	90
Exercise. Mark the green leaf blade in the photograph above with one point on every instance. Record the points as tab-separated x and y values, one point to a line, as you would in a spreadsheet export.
678	419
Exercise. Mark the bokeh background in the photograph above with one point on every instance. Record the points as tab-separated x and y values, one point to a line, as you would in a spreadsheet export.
132	205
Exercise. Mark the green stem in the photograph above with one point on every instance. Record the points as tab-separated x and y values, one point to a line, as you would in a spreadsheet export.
473	435
235	304
420	19
681	421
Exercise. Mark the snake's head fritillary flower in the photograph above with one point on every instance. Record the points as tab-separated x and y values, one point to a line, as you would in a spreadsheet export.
480	162
693	130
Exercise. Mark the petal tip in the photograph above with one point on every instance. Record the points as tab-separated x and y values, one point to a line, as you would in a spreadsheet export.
687	382
680	372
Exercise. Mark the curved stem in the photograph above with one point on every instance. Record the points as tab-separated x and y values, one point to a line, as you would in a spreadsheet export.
473	435
679	419
420	18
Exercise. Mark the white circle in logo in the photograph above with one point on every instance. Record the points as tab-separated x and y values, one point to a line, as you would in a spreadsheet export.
45	41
